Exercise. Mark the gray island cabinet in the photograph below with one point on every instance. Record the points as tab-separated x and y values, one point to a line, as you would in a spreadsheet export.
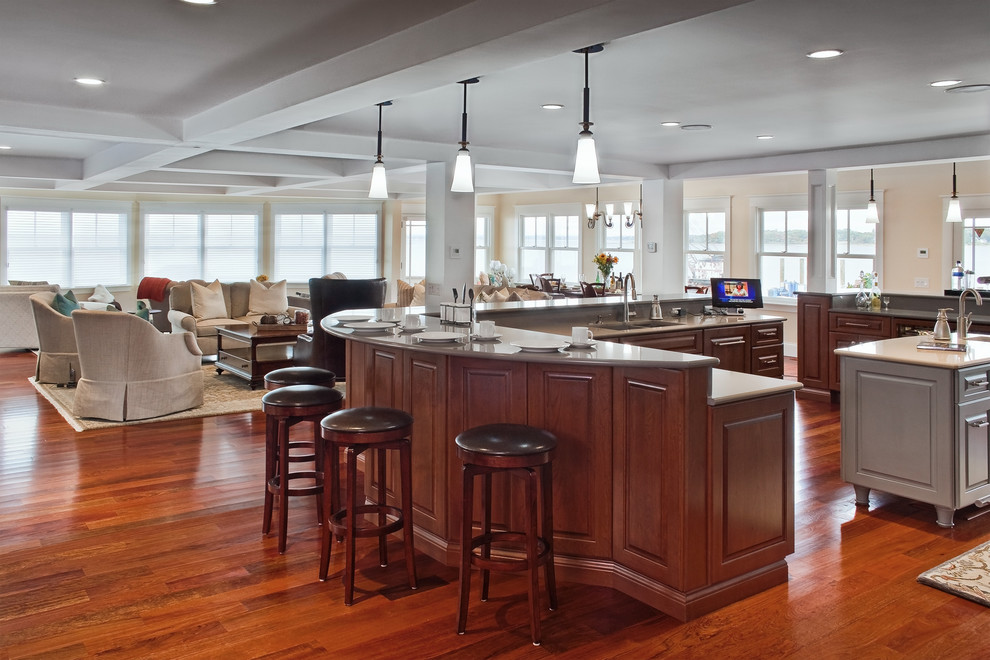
916	423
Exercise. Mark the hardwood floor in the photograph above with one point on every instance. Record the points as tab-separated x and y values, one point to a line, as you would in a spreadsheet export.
145	542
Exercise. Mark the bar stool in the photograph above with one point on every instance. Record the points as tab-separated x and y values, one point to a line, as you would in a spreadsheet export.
283	408
356	430
299	376
525	451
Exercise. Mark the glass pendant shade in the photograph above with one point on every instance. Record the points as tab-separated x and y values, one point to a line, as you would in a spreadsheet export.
610	210
872	216
586	161
379	186
627	207
954	212
463	181
589	210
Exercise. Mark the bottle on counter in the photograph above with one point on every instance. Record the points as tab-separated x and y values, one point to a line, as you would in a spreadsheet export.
863	296
875	294
958	274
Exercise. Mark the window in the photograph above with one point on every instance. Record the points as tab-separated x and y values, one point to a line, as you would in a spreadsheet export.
483	239
975	241
620	241
783	250
311	241
186	241
550	242
706	237
413	248
72	243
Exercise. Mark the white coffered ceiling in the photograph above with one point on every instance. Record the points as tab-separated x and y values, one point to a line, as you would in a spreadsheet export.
277	98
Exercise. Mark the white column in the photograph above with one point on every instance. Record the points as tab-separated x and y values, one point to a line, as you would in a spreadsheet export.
449	235
821	230
662	266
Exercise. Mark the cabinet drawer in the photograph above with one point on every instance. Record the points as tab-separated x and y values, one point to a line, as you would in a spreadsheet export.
861	324
764	334
972	383
234	361
682	342
768	361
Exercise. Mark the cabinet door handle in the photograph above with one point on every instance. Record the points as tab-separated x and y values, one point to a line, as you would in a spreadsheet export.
855	325
978	383
728	342
979	424
768	360
767	332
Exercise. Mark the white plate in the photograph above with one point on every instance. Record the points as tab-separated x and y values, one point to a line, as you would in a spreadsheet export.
415	328
353	318
438	337
590	344
370	326
544	346
480	338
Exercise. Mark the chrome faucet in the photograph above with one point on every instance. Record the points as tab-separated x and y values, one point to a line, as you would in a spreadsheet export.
962	322
625	295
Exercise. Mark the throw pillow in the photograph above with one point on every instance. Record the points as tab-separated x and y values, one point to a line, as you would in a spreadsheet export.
482	297
419	295
207	301
268	300
100	294
500	295
65	304
142	311
335	276
404	293
514	297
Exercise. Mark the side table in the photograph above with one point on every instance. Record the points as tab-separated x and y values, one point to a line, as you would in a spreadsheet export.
248	353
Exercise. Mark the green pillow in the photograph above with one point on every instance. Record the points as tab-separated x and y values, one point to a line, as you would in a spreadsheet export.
64	304
142	311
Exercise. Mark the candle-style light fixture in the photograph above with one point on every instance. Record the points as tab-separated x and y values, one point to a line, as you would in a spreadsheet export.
594	212
872	215
586	159
630	214
954	212
379	185
463	179
594	215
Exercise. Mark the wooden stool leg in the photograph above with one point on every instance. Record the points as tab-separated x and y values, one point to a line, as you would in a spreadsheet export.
283	482
382	500
546	481
271	449
531	554
351	517
467	504
405	473
330	497
318	468
486	529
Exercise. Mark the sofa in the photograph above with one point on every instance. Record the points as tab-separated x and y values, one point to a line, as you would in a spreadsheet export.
139	373
17	328
236	309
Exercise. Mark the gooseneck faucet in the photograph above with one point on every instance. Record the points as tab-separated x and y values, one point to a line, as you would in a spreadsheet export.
625	295
962	323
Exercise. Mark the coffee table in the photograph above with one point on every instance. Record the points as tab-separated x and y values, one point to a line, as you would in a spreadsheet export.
250	353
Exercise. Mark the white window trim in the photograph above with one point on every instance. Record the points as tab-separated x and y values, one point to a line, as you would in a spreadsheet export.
952	231
783	202
488	213
549	210
721	204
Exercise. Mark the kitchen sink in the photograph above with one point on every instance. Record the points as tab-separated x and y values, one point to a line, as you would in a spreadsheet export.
635	325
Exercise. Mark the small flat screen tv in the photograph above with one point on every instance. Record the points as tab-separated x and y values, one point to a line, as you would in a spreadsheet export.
736	293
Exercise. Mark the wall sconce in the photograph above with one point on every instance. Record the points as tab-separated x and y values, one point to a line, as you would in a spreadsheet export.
594	215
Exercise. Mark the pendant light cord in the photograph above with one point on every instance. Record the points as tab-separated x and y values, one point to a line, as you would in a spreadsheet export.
587	92
464	140
380	132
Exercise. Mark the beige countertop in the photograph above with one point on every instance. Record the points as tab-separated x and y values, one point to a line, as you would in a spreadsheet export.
905	350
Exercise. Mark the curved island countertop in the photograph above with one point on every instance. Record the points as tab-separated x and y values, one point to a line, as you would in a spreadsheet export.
673	481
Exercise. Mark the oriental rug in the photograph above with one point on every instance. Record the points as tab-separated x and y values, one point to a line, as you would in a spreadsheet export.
967	575
222	395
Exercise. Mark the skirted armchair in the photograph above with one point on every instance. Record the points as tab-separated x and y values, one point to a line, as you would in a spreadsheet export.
333	295
57	354
130	370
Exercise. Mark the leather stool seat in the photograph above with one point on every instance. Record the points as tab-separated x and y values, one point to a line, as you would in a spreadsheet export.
356	430
284	407
520	450
299	376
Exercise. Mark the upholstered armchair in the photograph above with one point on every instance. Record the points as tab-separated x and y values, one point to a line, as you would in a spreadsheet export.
333	295
57	354
130	370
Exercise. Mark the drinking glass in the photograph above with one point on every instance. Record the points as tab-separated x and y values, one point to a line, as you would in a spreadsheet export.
886	302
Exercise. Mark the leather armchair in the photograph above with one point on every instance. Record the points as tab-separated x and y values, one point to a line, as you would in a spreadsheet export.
333	295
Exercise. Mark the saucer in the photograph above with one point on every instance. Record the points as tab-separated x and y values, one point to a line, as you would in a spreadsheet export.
589	344
480	338
538	346
410	330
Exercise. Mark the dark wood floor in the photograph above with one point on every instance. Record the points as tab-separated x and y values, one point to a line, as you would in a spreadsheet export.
144	542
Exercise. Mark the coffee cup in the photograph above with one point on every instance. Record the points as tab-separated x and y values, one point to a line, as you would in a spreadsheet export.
486	329
581	335
412	321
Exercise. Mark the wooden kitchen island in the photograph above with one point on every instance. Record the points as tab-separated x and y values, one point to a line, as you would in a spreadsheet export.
673	482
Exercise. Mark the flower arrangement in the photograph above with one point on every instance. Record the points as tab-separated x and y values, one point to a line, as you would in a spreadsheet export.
500	273
262	278
604	263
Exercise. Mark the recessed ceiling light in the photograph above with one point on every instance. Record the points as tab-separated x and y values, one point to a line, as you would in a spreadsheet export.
828	53
200	2
764	137
90	82
552	106
670	124
944	83
969	89
696	127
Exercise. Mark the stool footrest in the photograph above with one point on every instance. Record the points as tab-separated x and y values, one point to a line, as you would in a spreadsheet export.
338	521
315	489
512	558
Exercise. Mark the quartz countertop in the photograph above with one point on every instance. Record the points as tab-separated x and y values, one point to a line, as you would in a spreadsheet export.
905	350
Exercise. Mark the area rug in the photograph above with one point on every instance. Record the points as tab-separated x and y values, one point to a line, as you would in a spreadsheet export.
222	394
967	575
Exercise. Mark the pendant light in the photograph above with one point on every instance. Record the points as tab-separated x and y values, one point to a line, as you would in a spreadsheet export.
872	216
463	180
954	212
586	159
379	186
